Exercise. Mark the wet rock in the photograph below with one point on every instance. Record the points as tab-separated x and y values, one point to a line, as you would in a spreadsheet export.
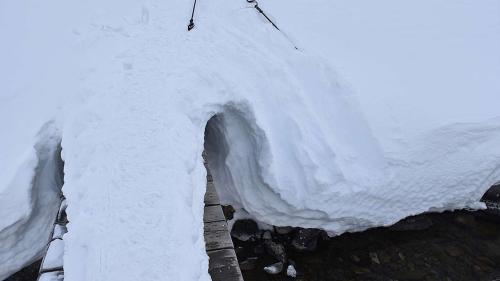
228	211
412	223
248	264
291	272
355	258
492	194
374	257
276	250
266	235
245	230
306	239
282	230
275	268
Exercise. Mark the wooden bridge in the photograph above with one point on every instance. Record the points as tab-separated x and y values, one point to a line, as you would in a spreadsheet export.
223	264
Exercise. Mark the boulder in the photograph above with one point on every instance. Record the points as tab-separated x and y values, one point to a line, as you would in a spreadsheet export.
245	230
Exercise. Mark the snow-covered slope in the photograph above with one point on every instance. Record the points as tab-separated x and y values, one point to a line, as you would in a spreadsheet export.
410	125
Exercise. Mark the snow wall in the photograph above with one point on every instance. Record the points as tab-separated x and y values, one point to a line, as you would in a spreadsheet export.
413	125
30	202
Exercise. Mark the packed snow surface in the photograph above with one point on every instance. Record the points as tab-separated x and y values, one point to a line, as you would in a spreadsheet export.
385	109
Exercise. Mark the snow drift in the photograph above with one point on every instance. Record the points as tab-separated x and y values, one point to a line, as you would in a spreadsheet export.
132	92
29	203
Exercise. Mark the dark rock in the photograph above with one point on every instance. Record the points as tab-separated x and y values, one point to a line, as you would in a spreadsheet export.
374	257
276	250
306	239
228	211
248	264
355	258
245	230
492	194
282	230
266	235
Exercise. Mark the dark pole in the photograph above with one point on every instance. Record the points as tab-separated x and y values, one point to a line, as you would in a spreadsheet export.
191	22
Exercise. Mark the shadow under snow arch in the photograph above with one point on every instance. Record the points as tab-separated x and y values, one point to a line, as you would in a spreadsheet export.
239	158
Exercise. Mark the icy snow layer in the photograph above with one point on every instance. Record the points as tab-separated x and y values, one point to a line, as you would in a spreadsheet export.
130	92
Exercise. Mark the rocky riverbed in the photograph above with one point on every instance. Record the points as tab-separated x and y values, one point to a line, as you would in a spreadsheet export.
458	245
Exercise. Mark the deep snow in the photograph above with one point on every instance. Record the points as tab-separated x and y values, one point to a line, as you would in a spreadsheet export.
387	109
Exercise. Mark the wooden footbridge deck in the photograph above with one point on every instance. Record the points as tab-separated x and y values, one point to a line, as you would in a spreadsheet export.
223	264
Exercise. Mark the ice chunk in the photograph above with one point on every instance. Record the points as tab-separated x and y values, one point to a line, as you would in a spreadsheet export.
274	268
290	271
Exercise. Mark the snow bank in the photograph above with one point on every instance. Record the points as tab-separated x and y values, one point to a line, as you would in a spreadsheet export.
29	204
131	93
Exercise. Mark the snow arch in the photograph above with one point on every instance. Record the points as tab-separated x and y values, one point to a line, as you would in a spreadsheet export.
236	150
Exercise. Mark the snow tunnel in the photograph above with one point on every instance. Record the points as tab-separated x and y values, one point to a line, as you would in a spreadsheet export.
233	146
216	149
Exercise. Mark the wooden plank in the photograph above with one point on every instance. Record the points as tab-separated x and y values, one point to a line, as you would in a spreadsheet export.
211	197
209	178
213	213
217	236
223	266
